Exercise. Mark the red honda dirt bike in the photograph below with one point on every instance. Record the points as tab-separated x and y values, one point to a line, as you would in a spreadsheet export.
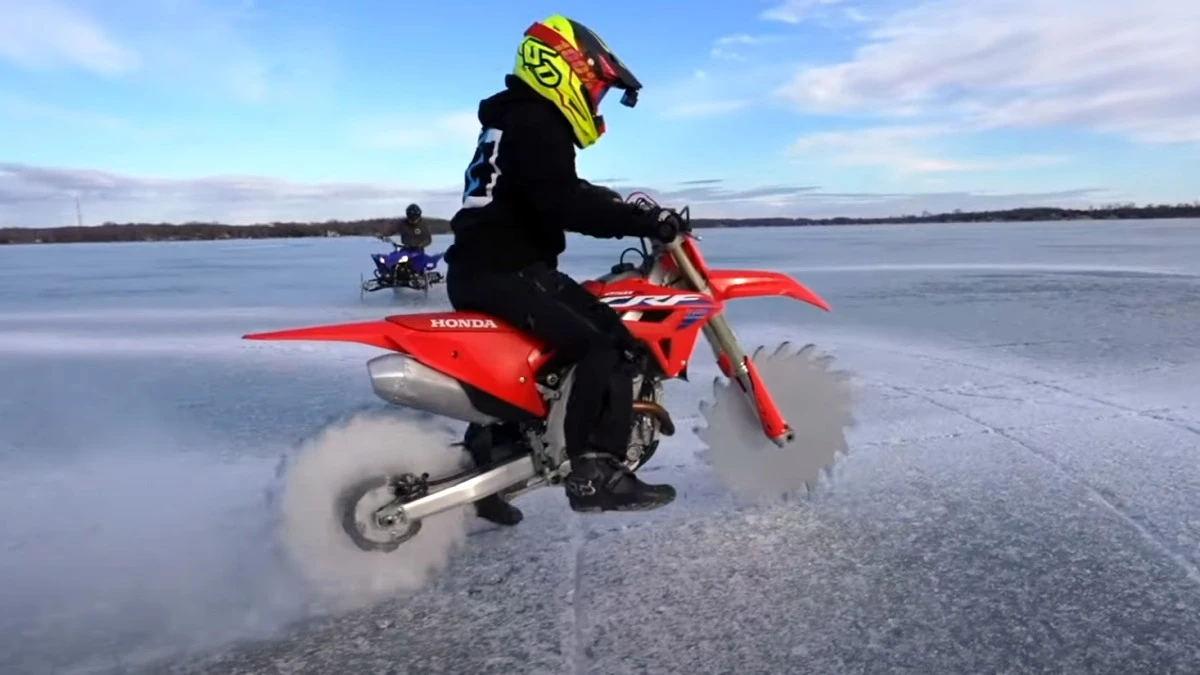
510	389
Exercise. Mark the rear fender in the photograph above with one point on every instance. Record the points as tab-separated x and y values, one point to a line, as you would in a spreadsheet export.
474	349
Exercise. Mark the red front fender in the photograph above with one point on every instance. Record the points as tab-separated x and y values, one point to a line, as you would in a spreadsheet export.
735	284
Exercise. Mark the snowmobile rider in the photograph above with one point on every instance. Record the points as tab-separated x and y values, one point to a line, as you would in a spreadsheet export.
413	233
521	195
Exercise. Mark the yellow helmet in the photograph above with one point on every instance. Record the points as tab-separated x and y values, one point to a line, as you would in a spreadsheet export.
571	66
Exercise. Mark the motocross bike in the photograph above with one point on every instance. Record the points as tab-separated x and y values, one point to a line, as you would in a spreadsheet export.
403	268
512	391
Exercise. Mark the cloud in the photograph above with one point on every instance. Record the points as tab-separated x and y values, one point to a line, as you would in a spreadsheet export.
795	11
711	192
48	34
694	97
15	105
1108	65
417	132
44	196
813	202
227	50
731	47
711	108
902	149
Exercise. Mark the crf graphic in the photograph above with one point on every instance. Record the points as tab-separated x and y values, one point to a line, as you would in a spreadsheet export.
665	301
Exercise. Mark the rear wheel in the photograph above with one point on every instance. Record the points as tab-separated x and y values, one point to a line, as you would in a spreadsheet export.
338	481
359	505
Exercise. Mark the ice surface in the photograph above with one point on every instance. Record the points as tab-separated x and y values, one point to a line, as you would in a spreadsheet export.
1019	496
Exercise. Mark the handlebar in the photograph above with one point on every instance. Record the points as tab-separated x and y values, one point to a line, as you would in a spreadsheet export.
646	203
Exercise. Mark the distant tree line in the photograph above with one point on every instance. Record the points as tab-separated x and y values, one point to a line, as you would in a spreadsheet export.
114	232
1020	215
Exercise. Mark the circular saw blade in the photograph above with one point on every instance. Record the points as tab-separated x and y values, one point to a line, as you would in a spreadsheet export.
815	400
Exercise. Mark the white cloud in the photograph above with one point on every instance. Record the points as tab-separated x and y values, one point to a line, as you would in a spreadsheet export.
731	47
705	108
795	11
44	196
14	105
48	34
903	149
1108	65
710	94
36	196
414	133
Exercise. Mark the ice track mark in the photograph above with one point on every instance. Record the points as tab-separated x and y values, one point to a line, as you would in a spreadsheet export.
1039	382
1103	497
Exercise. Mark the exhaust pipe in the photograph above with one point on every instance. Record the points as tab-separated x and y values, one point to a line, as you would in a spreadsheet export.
402	380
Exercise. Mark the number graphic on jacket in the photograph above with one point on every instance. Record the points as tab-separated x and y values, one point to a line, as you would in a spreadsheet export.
482	174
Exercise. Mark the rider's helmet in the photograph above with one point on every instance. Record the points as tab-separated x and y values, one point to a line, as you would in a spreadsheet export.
571	66
412	213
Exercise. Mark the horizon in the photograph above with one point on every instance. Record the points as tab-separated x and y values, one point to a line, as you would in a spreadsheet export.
240	112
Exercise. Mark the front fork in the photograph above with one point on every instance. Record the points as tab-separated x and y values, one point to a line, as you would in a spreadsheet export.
734	362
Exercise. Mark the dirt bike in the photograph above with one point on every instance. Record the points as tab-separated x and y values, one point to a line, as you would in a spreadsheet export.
511	390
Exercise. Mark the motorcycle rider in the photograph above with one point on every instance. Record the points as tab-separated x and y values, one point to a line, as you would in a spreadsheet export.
521	194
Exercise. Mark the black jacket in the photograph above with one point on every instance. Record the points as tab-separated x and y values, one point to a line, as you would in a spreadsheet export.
522	193
413	235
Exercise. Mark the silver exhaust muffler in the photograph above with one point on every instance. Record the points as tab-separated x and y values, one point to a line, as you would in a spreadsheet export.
402	380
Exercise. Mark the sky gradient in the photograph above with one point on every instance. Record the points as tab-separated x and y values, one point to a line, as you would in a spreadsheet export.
255	110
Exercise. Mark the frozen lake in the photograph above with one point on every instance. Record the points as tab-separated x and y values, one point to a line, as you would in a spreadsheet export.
1021	495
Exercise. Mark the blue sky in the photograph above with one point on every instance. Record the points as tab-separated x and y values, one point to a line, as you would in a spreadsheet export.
252	110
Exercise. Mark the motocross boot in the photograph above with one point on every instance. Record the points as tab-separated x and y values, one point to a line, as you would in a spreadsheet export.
492	508
599	482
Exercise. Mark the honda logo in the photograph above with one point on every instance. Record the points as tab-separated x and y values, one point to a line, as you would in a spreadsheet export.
462	323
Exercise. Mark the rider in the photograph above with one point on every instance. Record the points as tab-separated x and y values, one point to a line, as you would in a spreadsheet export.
413	233
521	194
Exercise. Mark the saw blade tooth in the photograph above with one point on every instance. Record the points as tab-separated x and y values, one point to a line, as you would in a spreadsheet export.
781	349
756	356
806	350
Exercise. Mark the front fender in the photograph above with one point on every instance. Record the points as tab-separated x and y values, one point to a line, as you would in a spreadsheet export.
737	284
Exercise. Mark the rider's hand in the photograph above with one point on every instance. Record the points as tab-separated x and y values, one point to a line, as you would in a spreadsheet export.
668	225
601	191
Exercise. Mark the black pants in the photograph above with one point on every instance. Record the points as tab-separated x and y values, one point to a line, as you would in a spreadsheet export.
551	306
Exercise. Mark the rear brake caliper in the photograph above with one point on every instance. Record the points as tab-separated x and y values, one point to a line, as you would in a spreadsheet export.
406	488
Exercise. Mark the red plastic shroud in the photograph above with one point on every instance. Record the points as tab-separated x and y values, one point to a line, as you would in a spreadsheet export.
496	358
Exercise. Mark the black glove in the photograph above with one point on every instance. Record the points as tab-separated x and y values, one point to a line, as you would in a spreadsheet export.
601	191
668	225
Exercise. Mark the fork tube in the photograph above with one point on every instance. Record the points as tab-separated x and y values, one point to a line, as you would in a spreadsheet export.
718	331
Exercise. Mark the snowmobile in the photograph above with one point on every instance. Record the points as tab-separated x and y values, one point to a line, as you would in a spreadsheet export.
511	390
403	268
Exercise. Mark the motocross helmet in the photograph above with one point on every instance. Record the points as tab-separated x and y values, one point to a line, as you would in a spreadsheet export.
412	213
567	63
